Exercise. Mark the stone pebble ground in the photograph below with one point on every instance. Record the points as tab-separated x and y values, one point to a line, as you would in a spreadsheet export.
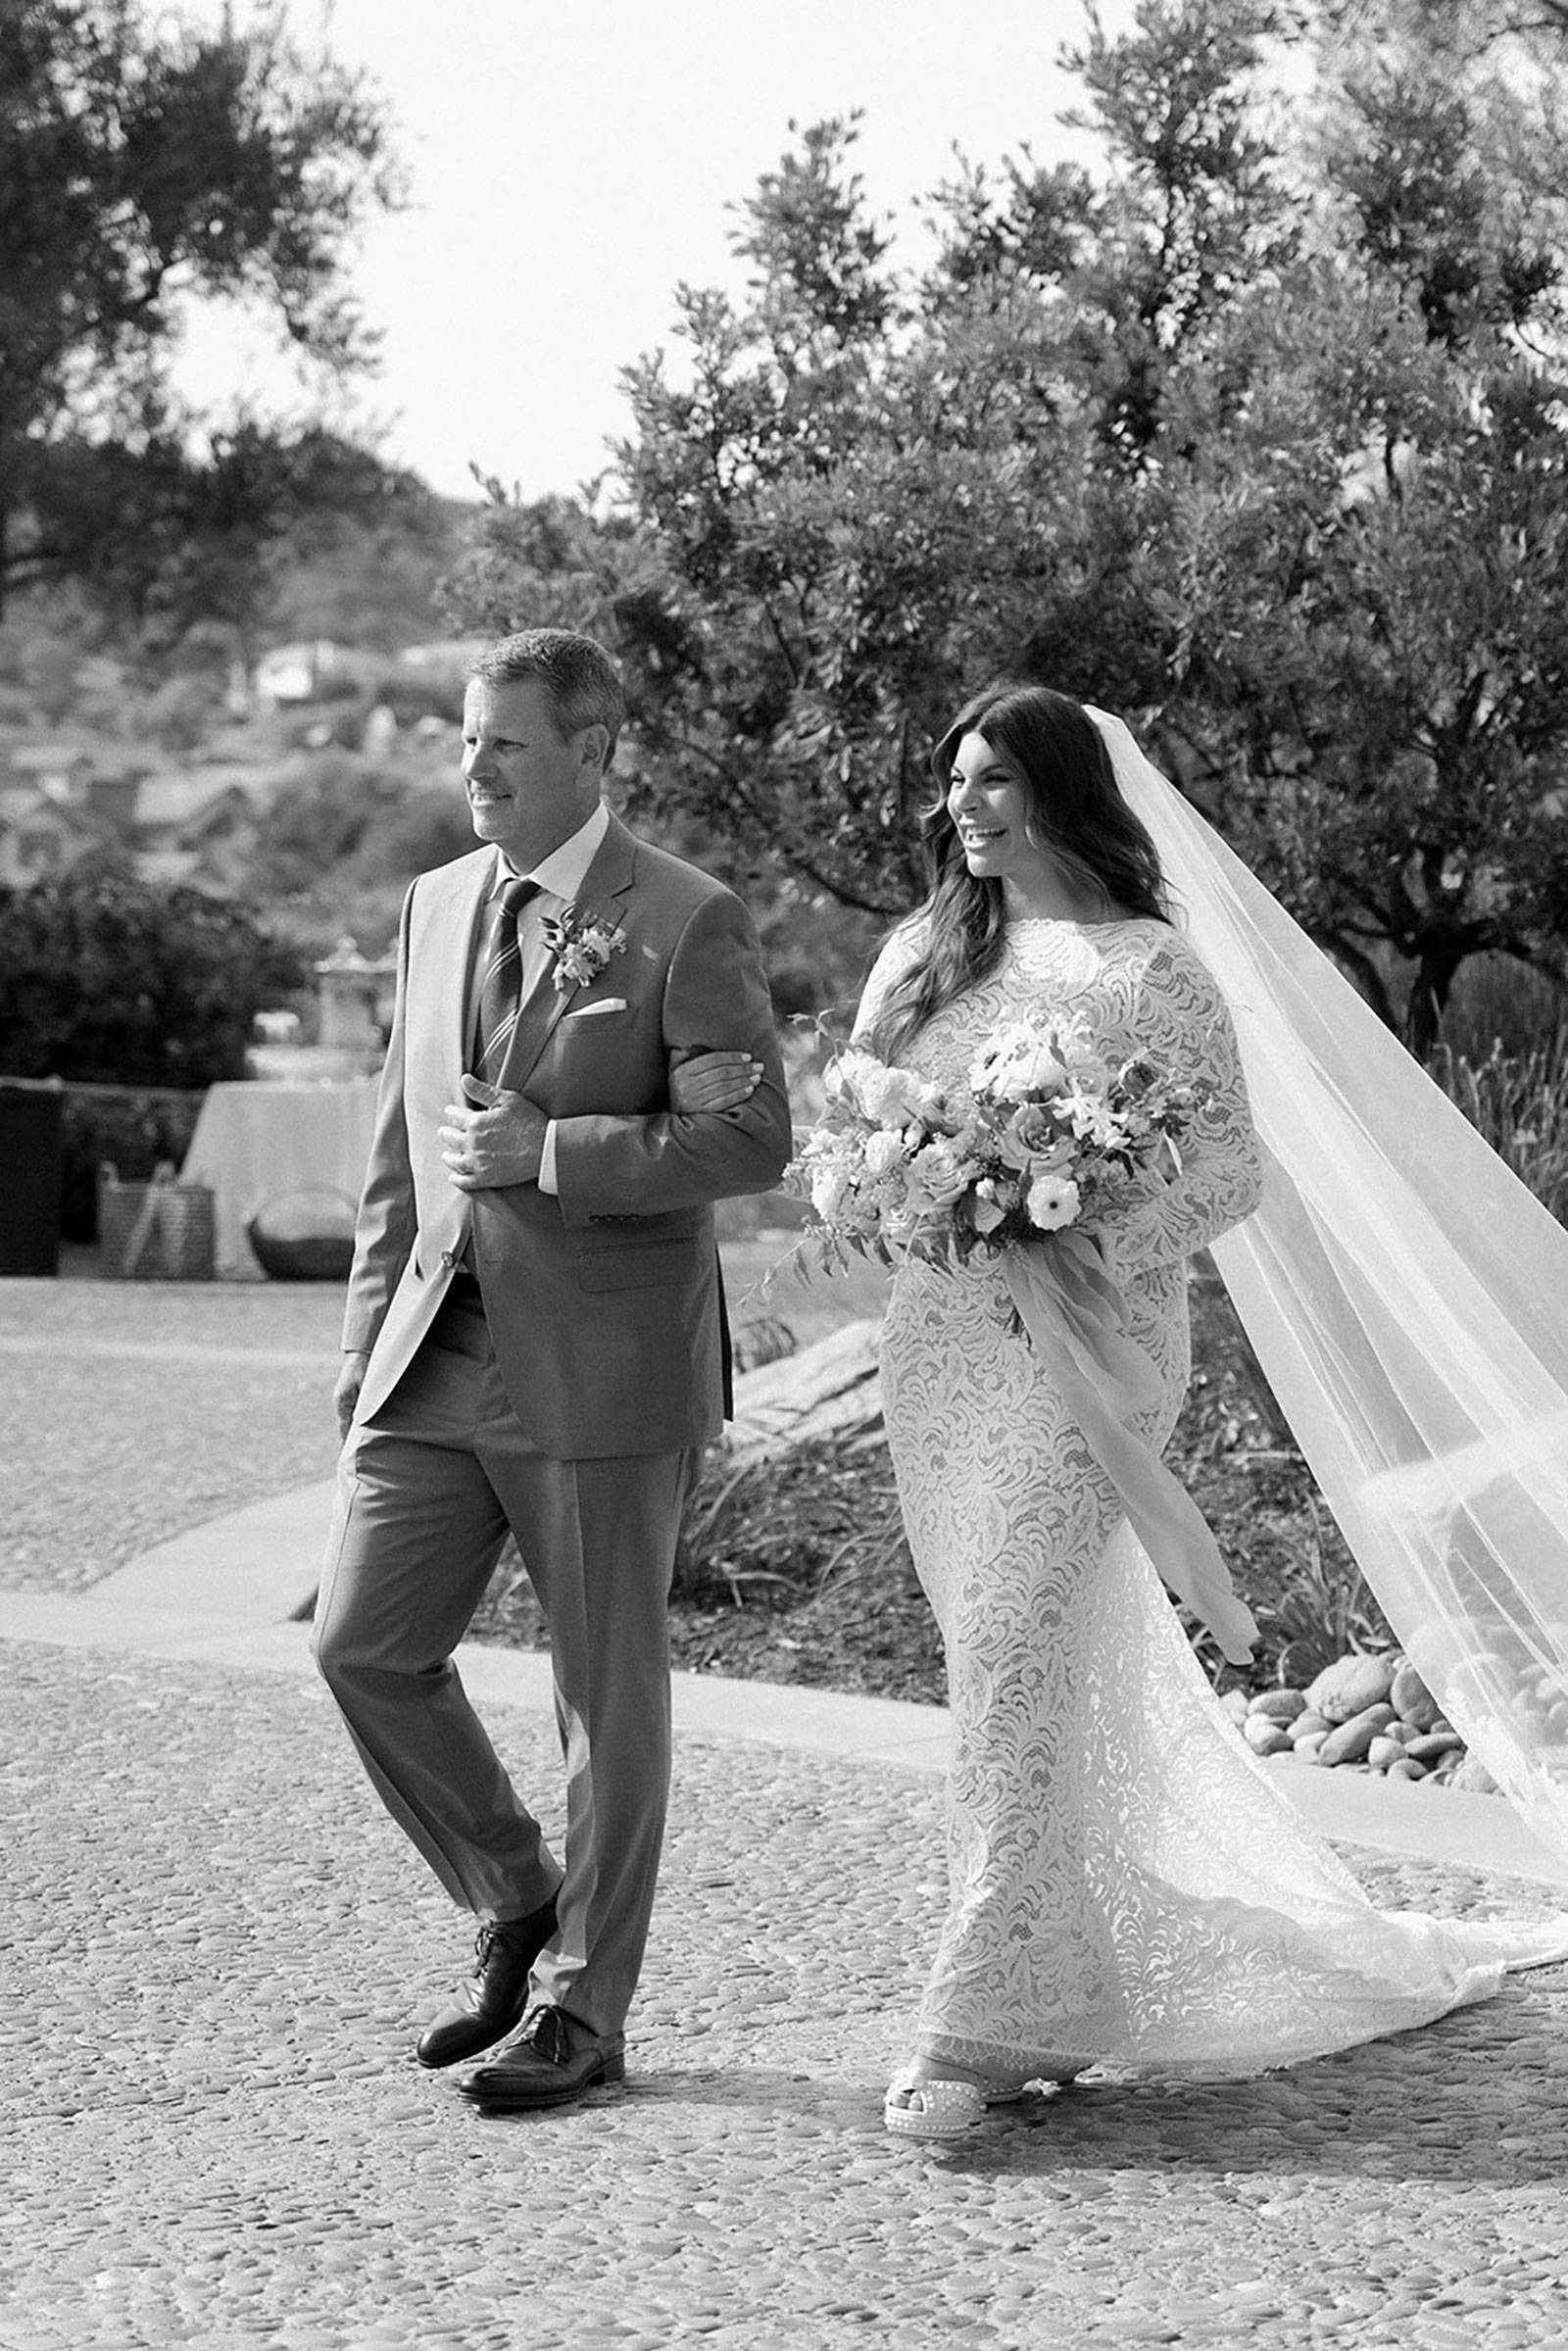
214	1953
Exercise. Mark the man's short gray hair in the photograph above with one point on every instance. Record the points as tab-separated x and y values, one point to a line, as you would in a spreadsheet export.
578	674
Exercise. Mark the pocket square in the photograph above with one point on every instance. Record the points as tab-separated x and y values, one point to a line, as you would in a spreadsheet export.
606	1004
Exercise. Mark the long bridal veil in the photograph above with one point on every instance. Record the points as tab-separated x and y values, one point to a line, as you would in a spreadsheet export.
1407	1298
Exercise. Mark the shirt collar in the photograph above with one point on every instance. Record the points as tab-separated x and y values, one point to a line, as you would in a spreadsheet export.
564	872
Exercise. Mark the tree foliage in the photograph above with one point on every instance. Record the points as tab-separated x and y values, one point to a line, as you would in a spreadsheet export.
1259	434
110	980
144	163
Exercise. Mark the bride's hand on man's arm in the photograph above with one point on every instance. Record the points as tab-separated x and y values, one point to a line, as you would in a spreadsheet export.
704	1080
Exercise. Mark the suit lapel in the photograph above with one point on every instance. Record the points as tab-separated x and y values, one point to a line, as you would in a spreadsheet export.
605	886
446	950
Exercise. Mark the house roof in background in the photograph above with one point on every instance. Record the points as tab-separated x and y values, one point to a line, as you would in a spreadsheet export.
26	752
175	794
167	865
26	806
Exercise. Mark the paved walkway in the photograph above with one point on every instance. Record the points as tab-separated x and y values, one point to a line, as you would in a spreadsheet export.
217	1953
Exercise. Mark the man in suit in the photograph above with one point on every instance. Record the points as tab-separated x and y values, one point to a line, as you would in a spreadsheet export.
535	1340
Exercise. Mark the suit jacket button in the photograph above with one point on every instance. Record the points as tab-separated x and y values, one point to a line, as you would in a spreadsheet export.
449	1258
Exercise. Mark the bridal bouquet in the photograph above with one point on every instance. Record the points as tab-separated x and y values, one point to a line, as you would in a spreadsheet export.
1041	1132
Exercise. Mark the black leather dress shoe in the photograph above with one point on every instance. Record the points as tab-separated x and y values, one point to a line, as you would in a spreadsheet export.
487	2008
553	2060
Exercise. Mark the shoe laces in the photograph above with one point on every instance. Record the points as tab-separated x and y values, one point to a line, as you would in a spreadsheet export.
543	2030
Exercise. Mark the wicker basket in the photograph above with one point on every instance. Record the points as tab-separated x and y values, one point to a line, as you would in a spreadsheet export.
162	1230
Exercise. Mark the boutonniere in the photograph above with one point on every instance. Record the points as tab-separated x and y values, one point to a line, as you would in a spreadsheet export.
582	946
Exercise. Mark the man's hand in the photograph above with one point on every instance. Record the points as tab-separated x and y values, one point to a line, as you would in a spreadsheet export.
493	1138
345	1394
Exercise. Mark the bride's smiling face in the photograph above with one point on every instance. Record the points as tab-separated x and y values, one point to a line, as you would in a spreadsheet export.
991	811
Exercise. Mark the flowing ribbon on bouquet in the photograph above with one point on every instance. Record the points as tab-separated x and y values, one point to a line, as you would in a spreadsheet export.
1075	1318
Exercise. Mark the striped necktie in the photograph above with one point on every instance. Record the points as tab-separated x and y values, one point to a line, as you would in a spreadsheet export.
499	990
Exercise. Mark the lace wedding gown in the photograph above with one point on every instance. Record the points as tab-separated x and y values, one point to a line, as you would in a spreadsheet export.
1127	1886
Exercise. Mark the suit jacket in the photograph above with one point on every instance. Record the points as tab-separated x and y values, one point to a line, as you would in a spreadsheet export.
603	1303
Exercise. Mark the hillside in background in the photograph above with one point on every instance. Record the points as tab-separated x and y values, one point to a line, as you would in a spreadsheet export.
309	770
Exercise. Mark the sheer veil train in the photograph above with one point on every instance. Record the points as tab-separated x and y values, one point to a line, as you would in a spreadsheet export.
1404	1294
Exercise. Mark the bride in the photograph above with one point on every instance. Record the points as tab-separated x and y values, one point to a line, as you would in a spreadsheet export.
1127	1886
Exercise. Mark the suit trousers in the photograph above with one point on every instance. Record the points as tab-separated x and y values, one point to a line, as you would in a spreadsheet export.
427	1492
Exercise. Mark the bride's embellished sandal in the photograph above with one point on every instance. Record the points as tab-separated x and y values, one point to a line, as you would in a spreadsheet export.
942	2108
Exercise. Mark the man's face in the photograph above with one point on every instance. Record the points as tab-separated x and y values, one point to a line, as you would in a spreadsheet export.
527	789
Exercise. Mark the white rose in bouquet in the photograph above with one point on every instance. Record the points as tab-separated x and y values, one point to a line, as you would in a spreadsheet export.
1032	1138
827	1168
828	1187
938	1174
840	1078
888	1095
883	1152
882	1093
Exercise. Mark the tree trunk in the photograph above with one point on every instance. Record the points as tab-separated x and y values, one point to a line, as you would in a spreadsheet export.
1429	997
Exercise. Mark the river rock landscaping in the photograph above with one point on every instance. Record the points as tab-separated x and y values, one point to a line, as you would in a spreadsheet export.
1371	1713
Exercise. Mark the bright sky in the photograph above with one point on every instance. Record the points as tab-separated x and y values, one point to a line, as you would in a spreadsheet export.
571	162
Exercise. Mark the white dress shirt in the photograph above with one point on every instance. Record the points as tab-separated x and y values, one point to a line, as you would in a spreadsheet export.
558	879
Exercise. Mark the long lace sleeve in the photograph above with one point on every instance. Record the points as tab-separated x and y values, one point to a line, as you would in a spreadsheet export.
899	953
1179	1016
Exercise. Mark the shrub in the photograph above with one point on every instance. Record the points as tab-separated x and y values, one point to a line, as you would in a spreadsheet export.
1500	1005
116	981
777	1532
1519	1101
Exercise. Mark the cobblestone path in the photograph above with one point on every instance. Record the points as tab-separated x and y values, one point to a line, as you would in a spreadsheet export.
215	1952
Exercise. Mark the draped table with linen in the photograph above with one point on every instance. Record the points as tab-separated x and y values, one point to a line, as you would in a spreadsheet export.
258	1144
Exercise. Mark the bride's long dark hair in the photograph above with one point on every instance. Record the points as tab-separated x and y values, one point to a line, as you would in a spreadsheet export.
1075	810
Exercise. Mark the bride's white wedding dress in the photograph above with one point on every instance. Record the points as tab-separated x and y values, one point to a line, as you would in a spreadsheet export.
1128	1887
